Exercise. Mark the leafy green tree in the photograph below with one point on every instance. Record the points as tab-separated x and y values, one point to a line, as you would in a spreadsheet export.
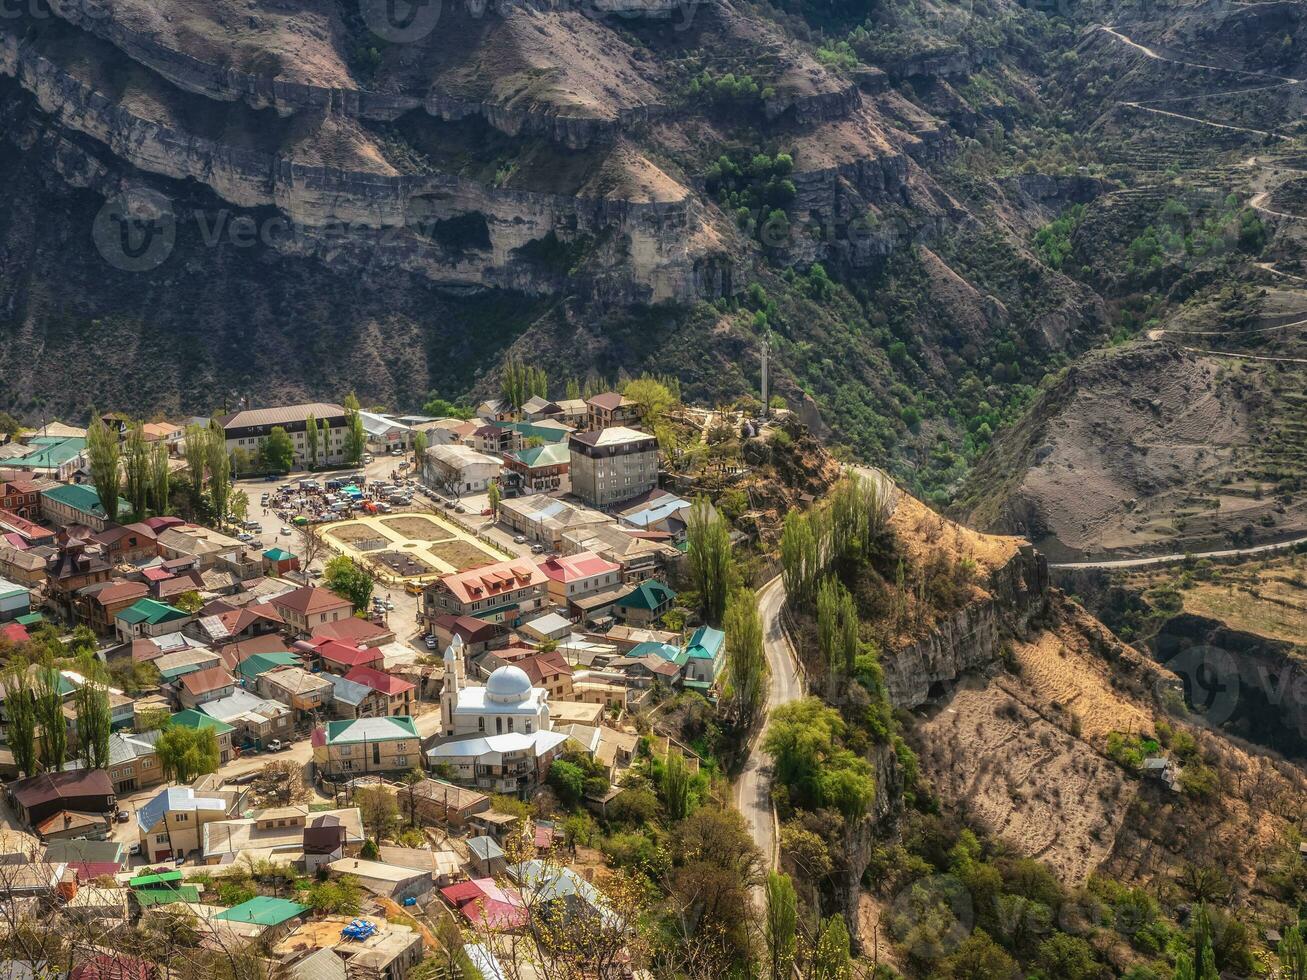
1068	957
441	408
278	452
492	496
711	562
340	896
311	441
104	458
160	475
350	580
802	556
355	437
196	452
979	958
567	780
653	396
136	467
50	716
1292	954
674	787
94	721
780	928
832	960
521	381
746	662
189	601
420	443
187	753
239	506
805	738
20	707
219	466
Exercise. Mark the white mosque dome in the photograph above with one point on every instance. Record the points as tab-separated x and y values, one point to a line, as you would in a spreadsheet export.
508	684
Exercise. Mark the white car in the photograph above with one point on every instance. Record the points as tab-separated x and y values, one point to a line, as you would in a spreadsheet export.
430	641
520	539
286	531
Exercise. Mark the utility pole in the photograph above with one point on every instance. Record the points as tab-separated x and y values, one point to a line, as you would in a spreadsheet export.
766	379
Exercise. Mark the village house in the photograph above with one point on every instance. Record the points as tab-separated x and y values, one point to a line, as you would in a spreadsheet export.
612	465
398	693
536	408
21	498
280	834
445	803
80	790
538	469
257	721
644	604
639	555
308	607
572	577
203	686
21	566
172	824
341	658
149	617
503	592
307	694
206	546
98	605
248	430
367	745
658	511
15	600
611	409
477	635
77	503
702	657
133	762
127	544
458	469
494	440
546	519
21	532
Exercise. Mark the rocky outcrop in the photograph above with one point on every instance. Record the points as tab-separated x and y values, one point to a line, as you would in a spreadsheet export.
396	219
971	638
225	83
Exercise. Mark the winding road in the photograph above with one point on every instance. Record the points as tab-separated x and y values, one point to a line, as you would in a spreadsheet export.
784	684
1260	549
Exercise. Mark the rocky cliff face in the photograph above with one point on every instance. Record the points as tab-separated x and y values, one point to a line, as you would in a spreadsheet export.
971	638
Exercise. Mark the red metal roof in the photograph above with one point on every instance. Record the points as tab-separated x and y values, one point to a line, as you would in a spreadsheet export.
345	655
379	680
483	901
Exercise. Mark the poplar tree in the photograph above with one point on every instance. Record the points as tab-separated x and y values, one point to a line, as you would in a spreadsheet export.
159	478
196	452
711	563
219	466
49	705
746	662
104	458
20	708
355	438
311	441
93	724
137	471
780	930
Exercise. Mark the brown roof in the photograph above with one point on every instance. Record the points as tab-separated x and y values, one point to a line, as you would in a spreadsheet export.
281	415
50	786
204	681
543	666
308	599
352	629
609	400
242	651
122	592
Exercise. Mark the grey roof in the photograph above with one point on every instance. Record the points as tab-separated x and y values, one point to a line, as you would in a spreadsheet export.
125	748
485	848
174	799
84	851
348	692
281	415
323	964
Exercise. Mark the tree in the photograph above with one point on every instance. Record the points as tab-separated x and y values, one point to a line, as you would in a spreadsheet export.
654	398
1292	954
746	662
311	547
492	496
104	459
196	452
711	563
137	471
278	452
379	810
801	556
310	442
341	896
160	501
190	602
219	464
20	706
805	738
419	450
441	408
567	780
240	506
573	392
831	960
979	958
50	716
837	628
522	381
780	926
94	721
675	787
350	580
187	753
355	438
153	719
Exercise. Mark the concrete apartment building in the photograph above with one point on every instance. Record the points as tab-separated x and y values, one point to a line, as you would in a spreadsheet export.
502	592
367	745
248	430
612	465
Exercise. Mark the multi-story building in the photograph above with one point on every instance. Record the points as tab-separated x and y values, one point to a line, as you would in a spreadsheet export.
573	577
77	503
133	762
457	469
609	409
366	745
540	469
308	607
199	720
172	824
249	429
612	465
502	592
397	691
21	497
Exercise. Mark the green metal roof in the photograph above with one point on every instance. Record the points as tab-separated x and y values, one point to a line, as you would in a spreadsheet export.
150	611
647	595
278	554
370	729
191	718
546	432
51	453
263	911
162	878
261	663
31	619
550	454
147	897
83	497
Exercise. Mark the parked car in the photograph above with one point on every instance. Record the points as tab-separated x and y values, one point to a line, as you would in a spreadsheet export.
276	745
285	531
430	641
519	539
537	549
135	849
122	816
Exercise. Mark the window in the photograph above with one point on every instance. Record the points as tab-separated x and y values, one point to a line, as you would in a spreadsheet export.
182	817
161	838
401	760
481	724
